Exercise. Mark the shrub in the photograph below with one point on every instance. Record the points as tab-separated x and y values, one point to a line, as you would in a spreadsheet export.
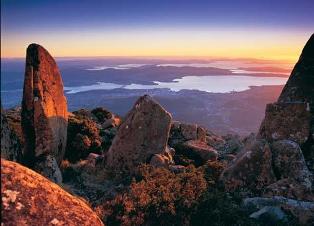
159	198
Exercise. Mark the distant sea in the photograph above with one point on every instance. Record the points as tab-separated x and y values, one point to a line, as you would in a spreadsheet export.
115	83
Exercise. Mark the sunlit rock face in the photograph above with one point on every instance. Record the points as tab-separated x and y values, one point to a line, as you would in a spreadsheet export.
44	108
30	199
144	132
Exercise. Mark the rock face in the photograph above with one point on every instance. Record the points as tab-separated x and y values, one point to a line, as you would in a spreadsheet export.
288	161
10	145
13	116
286	121
30	199
44	108
252	168
144	133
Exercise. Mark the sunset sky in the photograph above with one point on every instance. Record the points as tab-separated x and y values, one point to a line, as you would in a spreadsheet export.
268	29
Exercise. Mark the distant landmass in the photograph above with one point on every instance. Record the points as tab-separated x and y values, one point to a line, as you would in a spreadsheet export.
233	105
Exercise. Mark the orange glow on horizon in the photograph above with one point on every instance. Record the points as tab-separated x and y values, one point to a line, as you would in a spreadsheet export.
163	43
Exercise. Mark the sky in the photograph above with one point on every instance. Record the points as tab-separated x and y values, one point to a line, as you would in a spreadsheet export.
268	29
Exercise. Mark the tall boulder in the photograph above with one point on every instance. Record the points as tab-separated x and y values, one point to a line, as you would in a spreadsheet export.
10	145
144	133
30	199
44	109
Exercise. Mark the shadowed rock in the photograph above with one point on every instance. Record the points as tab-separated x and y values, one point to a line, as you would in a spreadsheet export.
252	169
302	211
286	121
144	133
10	145
30	199
44	108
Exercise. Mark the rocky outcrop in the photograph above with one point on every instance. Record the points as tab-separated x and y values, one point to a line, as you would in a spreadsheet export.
44	108
292	117
288	128
252	169
143	133
30	199
10	145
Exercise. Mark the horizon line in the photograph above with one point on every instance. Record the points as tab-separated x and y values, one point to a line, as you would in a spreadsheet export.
163	57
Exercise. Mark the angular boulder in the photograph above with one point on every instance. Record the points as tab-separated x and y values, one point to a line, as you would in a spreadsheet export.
198	151
181	132
30	199
252	169
44	108
10	145
143	133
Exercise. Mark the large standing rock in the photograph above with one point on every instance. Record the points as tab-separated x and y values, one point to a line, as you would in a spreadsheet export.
144	133
30	199
44	108
252	169
10	145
